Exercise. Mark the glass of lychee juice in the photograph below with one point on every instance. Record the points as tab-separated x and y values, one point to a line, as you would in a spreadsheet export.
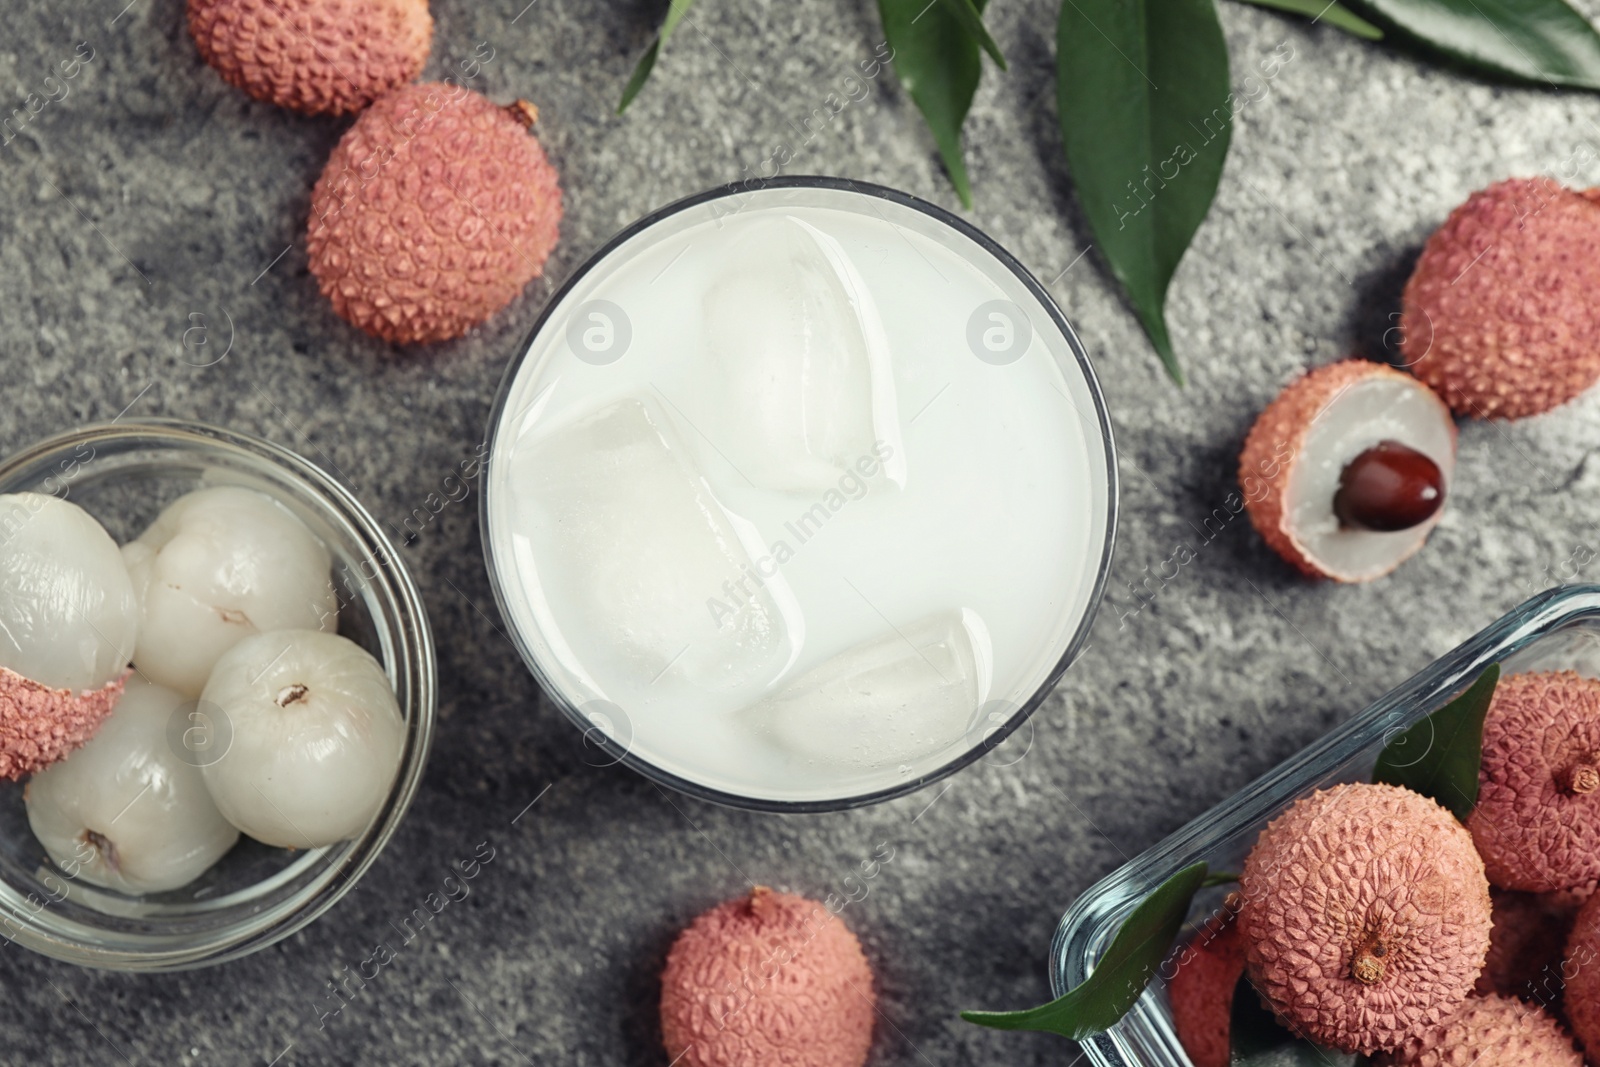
800	496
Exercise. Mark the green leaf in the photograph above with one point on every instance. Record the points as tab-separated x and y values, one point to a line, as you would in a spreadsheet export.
1541	41
1257	1038
1219	878
938	63
1439	756
1142	942
647	62
1146	114
967	14
1332	12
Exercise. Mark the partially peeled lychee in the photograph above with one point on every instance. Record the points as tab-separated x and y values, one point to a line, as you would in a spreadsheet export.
68	619
433	212
1537	819
1366	918
1499	314
1346	472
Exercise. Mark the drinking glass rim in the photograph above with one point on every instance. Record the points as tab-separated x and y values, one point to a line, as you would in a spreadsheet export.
1075	644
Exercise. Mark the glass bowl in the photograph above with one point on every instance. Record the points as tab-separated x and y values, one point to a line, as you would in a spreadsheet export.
551	361
1556	630
123	473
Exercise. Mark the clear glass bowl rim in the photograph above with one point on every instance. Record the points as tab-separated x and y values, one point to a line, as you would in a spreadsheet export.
1089	924
624	754
414	662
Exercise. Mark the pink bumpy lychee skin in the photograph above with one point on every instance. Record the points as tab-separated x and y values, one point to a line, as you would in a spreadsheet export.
1526	944
1201	990
313	56
1366	916
1491	1031
1581	969
1499	314
433	212
1537	820
763	980
40	725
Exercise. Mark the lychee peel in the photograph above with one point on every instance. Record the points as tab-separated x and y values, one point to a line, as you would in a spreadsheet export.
1498	315
1366	916
1526	944
433	212
767	979
1492	1031
1276	444
1581	969
313	56
40	725
1536	826
1201	991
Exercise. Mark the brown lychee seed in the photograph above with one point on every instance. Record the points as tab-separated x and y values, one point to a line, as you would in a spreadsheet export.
1499	313
1367	916
1526	944
434	211
1202	986
40	724
1316	459
318	57
1536	824
767	979
1388	487
1492	1031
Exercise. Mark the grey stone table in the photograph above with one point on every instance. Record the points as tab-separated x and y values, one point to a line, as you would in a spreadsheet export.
152	192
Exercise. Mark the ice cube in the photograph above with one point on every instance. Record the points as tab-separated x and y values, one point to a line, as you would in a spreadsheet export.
802	361
628	537
894	699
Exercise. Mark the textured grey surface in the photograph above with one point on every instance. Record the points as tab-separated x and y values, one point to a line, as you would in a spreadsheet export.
152	192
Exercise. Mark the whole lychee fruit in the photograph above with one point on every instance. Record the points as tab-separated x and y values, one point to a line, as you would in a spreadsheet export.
1366	916
1490	1031
1537	820
767	979
1527	943
1346	472
313	56
1201	990
1499	315
432	213
1581	969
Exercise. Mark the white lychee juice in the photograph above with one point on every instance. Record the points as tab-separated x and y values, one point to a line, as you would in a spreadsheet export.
798	495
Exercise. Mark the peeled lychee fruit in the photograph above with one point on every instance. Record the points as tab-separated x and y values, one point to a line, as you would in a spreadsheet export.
1527	943
68	619
767	979
1201	990
433	212
1537	820
316	737
1366	918
217	566
1346	472
1490	1031
313	56
126	811
1499	315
